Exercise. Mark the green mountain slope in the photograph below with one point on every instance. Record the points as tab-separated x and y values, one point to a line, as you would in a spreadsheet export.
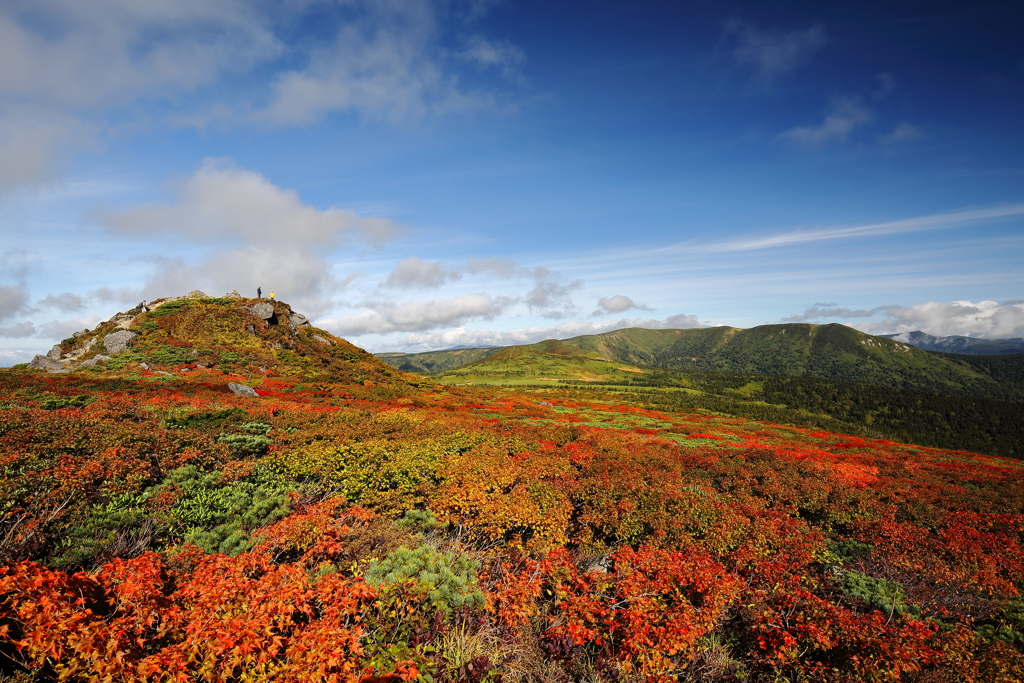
435	361
832	352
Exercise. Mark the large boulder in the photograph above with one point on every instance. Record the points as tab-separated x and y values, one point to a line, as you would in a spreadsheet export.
95	360
117	342
233	294
263	309
242	390
54	353
196	294
296	320
46	363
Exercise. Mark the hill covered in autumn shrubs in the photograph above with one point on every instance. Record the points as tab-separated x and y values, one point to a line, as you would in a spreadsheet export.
353	523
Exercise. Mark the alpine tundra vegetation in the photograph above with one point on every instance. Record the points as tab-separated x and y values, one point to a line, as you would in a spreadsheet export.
343	520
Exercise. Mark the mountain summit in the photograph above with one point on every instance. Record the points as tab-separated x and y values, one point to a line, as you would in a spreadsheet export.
196	334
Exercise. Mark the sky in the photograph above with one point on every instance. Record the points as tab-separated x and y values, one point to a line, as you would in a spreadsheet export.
424	174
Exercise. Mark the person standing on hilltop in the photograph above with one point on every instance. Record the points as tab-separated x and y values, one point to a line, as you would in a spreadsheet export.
259	292
271	296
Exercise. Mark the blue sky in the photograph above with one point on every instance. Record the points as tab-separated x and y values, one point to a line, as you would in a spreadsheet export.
423	174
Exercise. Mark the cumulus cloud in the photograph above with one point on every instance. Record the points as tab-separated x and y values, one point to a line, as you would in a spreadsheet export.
772	53
846	114
265	236
222	201
65	66
66	302
18	330
821	311
415	272
984	319
62	329
384	64
13	300
35	142
413	316
617	304
529	335
9	356
551	296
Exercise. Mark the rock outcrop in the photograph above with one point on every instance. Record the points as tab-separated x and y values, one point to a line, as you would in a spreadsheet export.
46	363
117	342
233	294
297	320
263	309
242	390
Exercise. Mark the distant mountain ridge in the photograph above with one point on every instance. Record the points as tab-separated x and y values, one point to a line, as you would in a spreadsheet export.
833	352
959	344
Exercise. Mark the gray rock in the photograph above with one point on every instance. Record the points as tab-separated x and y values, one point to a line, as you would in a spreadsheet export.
196	294
263	310
296	320
46	363
242	390
599	564
323	340
117	342
233	294
54	353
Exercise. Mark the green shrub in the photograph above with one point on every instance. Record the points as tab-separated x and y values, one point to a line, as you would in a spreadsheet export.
245	444
849	550
446	581
255	428
170	355
56	402
880	594
203	419
418	520
169	308
1010	628
217	516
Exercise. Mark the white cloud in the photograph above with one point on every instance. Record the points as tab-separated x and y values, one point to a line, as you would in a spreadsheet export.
415	272
62	329
9	356
73	54
903	133
35	141
617	304
68	69
501	54
265	235
13	300
66	302
18	330
821	311
772	53
529	335
984	319
221	200
385	64
414	316
917	224
845	115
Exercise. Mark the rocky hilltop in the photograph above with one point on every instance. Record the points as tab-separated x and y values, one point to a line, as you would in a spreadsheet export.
183	335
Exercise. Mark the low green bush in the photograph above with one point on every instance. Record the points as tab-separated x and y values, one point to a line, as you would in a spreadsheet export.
881	594
445	580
